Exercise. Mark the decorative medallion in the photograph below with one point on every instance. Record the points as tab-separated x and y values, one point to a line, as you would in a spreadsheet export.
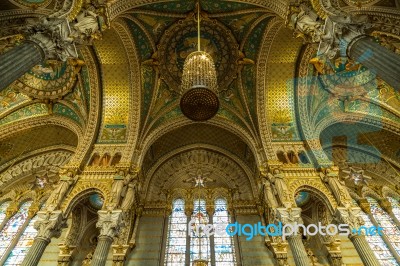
181	39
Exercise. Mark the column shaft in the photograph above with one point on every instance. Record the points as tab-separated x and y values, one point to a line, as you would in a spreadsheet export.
364	250
101	252
385	63
35	252
298	250
17	61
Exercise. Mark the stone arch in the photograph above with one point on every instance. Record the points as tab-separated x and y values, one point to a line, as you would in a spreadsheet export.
317	188
83	190
367	192
388	192
169	171
180	122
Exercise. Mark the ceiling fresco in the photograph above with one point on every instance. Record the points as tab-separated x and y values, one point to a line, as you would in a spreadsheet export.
165	33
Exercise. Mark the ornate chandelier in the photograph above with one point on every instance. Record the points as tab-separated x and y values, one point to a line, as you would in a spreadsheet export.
199	101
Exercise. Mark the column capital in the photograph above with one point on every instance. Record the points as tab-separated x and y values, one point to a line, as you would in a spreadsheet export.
350	216
49	224
109	222
289	215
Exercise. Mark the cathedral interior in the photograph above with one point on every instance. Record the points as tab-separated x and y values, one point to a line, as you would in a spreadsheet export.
131	130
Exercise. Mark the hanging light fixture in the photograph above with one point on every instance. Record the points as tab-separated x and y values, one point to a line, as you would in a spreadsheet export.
199	101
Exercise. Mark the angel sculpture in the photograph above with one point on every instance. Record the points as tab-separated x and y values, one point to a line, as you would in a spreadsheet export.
357	176
199	178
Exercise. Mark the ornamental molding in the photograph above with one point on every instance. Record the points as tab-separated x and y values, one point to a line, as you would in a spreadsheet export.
84	188
117	8
85	142
34	153
172	171
51	160
315	186
165	128
388	192
135	89
15	127
262	61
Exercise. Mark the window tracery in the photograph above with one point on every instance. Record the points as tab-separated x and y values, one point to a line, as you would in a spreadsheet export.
378	246
20	250
383	219
199	243
219	250
13	226
223	244
176	241
3	209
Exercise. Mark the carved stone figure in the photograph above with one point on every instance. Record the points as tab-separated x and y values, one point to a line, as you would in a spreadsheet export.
87	23
130	195
337	186
269	194
277	179
120	181
66	181
333	34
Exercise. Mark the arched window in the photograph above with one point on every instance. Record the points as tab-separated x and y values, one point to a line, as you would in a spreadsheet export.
377	245
3	208
199	243
20	250
12	227
183	247
395	207
383	219
223	244
176	242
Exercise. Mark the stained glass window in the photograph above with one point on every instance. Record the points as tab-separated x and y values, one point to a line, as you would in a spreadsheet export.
395	207
177	228
378	246
12	227
20	250
223	244
3	208
383	219
199	242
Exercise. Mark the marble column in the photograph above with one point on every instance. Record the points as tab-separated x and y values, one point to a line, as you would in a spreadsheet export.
352	217
18	60
292	216
48	225
102	249
364	250
385	63
298	250
109	224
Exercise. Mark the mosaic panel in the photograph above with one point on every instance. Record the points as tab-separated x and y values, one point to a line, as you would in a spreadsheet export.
116	96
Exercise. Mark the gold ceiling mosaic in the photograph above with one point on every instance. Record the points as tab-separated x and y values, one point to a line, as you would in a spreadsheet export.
115	74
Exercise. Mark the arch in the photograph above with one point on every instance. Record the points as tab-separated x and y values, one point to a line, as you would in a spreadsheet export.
316	187
84	189
178	162
119	7
180	122
388	192
367	192
133	59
